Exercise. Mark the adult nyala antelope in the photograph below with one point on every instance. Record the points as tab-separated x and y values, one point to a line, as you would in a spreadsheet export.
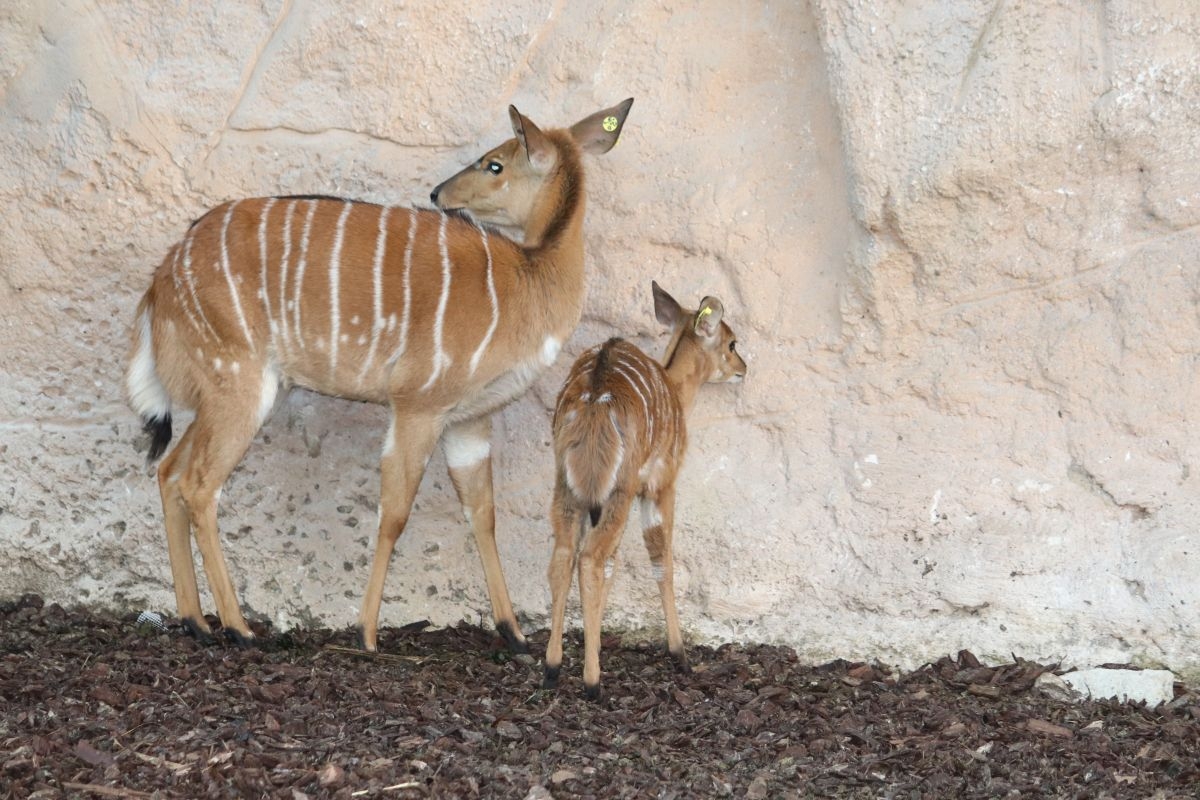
434	312
619	433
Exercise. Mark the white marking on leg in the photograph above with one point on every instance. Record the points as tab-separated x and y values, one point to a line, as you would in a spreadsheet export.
283	274
651	516
440	359
267	392
187	277
389	442
264	216
608	569
656	569
335	299
465	450
551	347
147	395
402	341
491	285
376	292
312	208
233	292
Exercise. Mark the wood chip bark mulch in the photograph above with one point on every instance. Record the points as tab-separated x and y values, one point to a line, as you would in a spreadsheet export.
94	706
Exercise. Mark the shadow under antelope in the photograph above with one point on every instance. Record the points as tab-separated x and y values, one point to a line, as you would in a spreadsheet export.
620	434
434	312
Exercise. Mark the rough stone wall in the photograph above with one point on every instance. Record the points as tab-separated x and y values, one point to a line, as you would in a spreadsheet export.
958	240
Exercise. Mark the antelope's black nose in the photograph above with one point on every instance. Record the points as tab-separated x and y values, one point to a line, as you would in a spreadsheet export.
433	196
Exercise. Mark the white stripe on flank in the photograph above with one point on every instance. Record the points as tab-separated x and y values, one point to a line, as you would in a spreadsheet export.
264	215
233	292
187	277
491	285
402	341
283	274
312	208
183	303
620	370
376	291
440	359
637	372
335	298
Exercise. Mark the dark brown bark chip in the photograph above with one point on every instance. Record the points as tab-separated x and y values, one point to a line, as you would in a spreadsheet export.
93	706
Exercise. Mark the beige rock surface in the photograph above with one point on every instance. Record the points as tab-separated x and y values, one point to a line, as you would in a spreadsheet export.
959	241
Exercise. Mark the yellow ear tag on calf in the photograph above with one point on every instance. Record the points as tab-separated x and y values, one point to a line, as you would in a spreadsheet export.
610	124
704	312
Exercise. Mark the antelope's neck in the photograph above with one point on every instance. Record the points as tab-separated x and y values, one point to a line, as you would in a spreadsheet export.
685	374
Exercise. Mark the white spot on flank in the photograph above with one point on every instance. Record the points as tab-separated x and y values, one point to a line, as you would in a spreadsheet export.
465	451
335	298
441	360
233	292
217	364
354	320
491	285
235	367
605	398
933	508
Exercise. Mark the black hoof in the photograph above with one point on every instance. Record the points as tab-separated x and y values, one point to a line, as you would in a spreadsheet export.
591	693
197	631
550	678
242	640
517	646
682	664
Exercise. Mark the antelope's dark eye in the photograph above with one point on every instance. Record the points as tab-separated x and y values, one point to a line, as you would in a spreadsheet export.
495	167
732	345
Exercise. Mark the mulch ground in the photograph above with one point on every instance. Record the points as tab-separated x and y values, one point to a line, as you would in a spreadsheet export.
93	705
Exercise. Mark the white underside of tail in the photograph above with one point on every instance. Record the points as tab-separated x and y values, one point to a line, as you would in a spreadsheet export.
147	396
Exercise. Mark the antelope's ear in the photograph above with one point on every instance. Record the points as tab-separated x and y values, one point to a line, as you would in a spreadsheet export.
537	145
666	310
598	133
708	318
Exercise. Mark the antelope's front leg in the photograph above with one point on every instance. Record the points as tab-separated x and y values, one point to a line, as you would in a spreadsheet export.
469	459
410	440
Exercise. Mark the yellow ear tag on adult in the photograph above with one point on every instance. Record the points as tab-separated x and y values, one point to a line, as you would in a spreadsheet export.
610	124
704	312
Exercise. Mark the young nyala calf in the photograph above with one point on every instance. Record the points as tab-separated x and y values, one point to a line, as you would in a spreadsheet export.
619	433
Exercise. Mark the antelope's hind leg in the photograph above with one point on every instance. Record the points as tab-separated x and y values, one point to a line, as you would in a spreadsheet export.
179	540
658	519
210	449
599	545
567	521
